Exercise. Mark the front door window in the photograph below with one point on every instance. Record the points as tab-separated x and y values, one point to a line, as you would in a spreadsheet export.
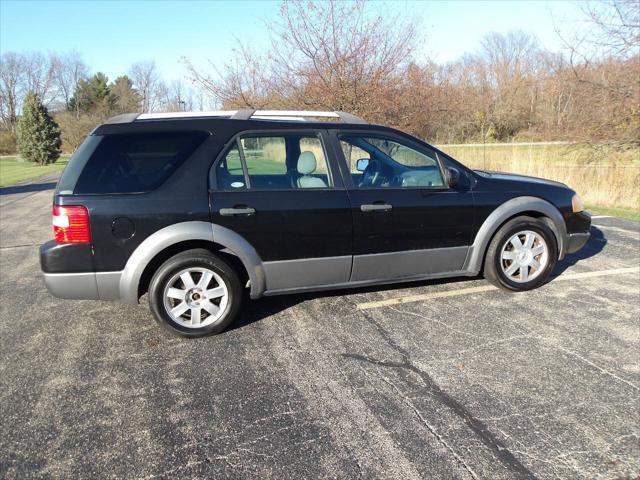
378	162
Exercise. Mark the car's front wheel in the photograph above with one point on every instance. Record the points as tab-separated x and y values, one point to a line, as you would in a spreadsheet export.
195	293
521	255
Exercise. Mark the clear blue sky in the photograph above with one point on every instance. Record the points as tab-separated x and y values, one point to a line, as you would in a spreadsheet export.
111	35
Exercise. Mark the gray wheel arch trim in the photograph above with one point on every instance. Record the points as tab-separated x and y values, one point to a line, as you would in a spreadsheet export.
185	231
475	257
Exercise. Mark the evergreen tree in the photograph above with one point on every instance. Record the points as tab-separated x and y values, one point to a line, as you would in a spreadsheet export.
91	94
38	134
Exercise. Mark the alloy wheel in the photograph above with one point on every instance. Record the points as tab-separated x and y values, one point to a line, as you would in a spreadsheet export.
524	256
195	297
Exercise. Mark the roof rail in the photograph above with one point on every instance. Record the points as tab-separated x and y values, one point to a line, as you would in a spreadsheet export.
243	114
169	115
123	118
351	118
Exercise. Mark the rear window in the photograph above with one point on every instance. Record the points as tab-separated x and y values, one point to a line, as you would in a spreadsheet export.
127	163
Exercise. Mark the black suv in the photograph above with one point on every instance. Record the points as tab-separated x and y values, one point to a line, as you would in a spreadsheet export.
194	208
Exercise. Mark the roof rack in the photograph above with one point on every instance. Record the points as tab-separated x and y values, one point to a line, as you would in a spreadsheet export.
245	114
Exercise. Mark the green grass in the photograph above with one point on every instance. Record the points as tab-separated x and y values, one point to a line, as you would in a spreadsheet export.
265	166
628	213
14	169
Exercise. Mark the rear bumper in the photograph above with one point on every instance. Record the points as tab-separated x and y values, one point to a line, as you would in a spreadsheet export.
68	273
577	241
84	285
75	286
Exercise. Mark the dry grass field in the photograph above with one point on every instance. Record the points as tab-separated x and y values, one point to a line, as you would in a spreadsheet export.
601	176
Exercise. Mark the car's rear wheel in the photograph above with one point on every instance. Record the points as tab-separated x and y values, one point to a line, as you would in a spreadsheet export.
521	255
195	293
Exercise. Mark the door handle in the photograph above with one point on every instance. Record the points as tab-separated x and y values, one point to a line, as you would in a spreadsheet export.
376	207
230	212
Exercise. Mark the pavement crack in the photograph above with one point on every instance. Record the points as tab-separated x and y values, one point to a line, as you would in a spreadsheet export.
481	430
444	324
417	412
591	364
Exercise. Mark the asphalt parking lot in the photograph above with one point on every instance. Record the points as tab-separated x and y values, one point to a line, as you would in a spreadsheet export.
448	379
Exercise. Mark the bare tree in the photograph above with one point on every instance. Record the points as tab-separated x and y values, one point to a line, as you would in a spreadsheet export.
11	87
68	70
39	76
509	65
615	26
329	54
605	63
177	97
147	81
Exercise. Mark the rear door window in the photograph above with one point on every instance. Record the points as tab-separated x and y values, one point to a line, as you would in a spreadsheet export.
290	161
136	162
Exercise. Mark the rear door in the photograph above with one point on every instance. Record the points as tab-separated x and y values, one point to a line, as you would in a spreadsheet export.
284	194
407	220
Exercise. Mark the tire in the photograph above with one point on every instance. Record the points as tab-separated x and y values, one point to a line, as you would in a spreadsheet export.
205	305
514	268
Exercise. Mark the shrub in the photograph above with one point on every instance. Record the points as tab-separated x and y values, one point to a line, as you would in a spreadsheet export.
75	128
7	142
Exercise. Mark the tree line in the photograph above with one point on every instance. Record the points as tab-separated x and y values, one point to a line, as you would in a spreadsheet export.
339	55
77	99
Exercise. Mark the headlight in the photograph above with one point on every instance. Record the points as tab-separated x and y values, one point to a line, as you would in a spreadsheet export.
576	204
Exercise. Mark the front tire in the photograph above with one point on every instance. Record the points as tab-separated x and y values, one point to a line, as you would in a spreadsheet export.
521	255
194	294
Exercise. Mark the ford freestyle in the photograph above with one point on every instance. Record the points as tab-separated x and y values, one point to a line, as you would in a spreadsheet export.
201	209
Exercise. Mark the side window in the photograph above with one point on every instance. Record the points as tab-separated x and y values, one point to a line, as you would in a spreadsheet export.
229	173
265	156
275	162
353	154
133	163
378	162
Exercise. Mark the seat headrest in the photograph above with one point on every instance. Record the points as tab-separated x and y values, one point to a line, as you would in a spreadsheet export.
306	163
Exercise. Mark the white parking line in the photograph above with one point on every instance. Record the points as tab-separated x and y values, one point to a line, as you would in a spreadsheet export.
617	229
486	288
600	216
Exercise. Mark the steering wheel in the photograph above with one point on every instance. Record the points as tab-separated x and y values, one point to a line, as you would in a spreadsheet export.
371	174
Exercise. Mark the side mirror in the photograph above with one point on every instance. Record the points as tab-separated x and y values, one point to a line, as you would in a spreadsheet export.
453	176
362	164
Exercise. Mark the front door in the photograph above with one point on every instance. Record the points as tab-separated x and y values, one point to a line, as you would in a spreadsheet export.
407	221
283	194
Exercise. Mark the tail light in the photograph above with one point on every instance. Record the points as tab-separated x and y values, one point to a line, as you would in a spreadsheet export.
71	224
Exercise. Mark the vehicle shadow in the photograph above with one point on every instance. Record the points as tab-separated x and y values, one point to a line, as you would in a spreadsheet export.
27	188
256	310
594	245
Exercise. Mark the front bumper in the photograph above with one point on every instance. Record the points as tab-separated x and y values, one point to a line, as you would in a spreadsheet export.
578	226
577	241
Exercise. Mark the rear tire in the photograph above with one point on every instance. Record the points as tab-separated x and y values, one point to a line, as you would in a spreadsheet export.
521	255
194	294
